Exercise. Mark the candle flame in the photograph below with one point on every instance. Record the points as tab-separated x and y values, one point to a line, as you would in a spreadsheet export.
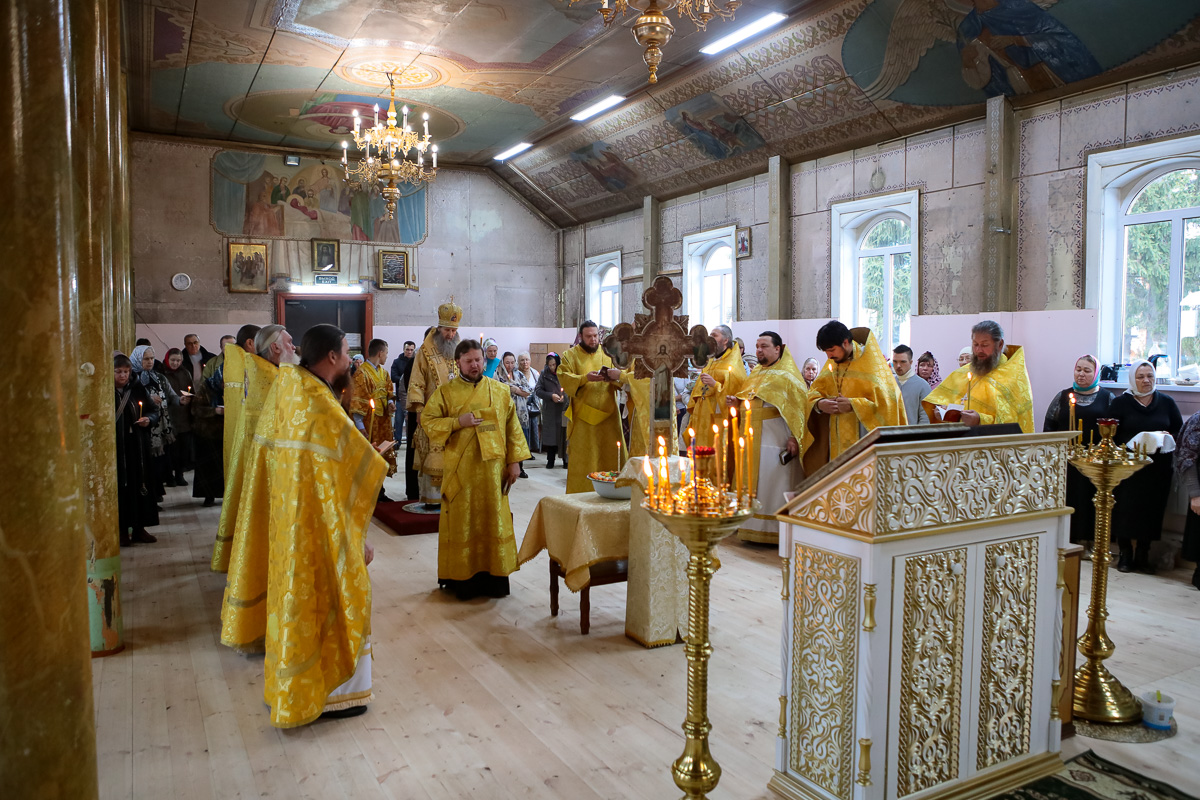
691	433
661	441
646	467
741	441
969	376
733	412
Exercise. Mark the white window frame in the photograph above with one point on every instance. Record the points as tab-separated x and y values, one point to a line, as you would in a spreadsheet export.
1113	179
696	249
594	269
849	223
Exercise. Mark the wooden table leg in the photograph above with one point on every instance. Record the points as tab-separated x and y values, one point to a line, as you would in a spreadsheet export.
585	610
553	589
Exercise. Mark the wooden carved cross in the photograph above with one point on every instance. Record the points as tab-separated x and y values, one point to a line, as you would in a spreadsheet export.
662	344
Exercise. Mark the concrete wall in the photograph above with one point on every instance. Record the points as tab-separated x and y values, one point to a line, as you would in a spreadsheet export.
485	247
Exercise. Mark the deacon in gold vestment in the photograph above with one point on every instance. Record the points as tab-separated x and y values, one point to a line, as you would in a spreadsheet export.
475	422
1000	390
721	378
640	414
322	481
275	344
233	376
432	366
375	401
855	393
778	403
589	380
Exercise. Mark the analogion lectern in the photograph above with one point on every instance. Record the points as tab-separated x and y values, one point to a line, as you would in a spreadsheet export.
922	609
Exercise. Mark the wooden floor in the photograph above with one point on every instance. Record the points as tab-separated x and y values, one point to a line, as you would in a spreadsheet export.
494	698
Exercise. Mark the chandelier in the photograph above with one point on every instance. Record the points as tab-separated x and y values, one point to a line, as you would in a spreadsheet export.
386	151
653	28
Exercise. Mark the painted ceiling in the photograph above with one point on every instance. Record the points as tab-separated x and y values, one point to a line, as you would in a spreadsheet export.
837	74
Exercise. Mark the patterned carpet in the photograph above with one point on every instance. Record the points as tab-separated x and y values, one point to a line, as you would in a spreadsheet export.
1088	776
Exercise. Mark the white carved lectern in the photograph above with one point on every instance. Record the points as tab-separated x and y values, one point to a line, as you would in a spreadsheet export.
922	617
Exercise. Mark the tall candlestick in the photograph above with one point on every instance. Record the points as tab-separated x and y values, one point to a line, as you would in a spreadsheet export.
741	474
968	391
1072	396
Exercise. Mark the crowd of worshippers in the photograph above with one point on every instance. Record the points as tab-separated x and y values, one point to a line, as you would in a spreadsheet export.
297	443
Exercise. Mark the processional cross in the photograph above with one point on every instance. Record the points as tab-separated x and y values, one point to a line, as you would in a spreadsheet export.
663	345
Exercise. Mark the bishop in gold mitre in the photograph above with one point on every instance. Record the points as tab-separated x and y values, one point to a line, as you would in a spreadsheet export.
721	378
590	382
374	402
433	366
999	384
258	373
322	480
473	419
856	392
776	397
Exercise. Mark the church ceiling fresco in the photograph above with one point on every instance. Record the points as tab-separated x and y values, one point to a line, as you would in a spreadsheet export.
838	74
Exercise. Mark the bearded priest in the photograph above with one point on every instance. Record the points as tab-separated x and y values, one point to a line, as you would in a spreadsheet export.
374	403
992	388
721	378
777	397
473	421
590	382
432	367
323	478
855	393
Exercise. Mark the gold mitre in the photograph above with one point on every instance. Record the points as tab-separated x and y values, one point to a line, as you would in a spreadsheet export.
449	314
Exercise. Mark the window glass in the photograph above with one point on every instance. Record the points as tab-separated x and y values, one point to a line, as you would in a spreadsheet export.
1147	277
1175	190
888	233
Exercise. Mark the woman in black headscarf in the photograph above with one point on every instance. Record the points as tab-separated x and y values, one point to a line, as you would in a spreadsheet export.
554	404
136	414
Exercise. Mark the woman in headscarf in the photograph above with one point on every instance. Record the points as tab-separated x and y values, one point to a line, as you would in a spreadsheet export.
1142	497
490	362
1187	454
137	507
964	356
179	454
507	374
1091	403
527	378
162	432
554	405
927	368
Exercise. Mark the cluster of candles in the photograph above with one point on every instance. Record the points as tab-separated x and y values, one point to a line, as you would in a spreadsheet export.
707	496
1140	451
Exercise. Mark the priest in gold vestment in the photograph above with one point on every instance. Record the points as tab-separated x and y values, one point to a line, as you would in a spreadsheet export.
855	393
258	373
721	378
473	419
999	383
640	415
375	401
322	481
432	367
590	382
776	396
233	377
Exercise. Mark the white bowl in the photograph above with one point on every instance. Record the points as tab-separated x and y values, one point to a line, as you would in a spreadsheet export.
610	490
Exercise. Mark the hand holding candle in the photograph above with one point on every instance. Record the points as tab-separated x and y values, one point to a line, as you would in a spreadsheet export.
968	391
1072	422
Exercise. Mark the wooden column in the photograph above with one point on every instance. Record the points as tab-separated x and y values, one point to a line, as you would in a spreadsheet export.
651	241
999	238
779	240
90	41
47	729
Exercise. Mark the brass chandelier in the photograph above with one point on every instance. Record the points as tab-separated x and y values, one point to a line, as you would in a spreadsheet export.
386	151
653	27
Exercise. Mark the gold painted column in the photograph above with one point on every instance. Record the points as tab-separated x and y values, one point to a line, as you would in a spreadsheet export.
94	239
47	730
119	150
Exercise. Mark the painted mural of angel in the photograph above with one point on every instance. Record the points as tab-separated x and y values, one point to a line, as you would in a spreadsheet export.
1005	46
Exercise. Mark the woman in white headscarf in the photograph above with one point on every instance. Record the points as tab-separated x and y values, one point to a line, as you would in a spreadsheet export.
1142	497
964	356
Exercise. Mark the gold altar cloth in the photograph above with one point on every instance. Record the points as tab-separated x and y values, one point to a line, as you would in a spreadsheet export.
578	530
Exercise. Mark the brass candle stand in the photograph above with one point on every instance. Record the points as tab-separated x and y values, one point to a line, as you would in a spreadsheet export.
700	514
1099	696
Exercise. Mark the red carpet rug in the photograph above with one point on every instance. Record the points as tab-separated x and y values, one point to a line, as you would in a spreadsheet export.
398	522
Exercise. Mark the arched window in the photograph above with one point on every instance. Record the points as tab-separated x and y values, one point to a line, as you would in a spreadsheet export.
874	273
604	288
1161	269
709	278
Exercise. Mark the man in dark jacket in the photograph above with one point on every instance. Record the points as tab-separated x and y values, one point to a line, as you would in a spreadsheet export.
401	371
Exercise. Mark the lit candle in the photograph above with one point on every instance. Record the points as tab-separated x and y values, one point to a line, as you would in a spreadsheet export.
425	120
717	453
741	450
664	483
968	391
695	483
405	110
356	123
750	462
377	115
434	156
345	149
1072	396
139	409
725	472
618	454
649	483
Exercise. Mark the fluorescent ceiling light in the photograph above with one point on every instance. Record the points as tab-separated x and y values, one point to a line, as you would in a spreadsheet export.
760	25
326	288
596	108
512	151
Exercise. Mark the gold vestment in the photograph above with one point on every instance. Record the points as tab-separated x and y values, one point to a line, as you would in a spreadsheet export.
323	480
429	371
233	372
593	426
1003	395
372	383
475	531
707	405
640	415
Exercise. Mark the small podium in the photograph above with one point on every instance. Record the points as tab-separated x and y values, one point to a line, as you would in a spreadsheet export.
922	611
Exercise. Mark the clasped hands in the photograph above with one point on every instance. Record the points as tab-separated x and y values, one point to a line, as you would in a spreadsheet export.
609	374
835	405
